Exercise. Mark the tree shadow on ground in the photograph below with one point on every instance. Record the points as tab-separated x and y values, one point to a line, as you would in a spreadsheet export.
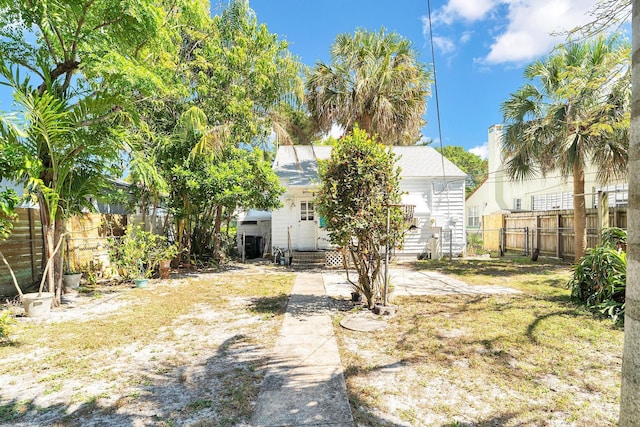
269	305
494	421
219	392
498	267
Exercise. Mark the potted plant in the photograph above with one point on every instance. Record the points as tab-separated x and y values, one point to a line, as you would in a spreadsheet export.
140	252
164	254
71	279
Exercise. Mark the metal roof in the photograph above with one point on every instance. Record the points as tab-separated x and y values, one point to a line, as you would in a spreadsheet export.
298	164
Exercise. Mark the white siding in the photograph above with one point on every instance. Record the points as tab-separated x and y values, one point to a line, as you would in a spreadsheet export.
448	212
283	222
416	241
285	225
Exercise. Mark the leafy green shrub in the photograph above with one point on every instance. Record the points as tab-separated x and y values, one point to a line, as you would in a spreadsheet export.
614	237
599	279
6	325
139	252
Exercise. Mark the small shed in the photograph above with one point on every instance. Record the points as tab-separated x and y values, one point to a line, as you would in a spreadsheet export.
253	233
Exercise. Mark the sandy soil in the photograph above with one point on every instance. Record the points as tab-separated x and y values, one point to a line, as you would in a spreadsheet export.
203	369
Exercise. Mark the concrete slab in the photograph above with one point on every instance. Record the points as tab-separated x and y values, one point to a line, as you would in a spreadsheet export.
311	326
362	324
304	384
323	351
298	398
408	282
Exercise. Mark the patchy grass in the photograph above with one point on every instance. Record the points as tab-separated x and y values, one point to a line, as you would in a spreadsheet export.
508	360
184	351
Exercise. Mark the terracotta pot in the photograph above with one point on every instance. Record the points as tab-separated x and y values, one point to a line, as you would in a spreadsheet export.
164	267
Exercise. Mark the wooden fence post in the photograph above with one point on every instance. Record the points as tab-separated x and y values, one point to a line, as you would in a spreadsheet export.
558	236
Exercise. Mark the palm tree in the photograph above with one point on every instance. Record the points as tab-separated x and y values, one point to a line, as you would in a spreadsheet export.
629	410
374	81
577	114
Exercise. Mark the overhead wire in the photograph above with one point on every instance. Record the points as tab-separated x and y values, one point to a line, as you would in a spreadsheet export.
435	90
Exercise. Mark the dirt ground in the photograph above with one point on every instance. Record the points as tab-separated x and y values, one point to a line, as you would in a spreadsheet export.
203	368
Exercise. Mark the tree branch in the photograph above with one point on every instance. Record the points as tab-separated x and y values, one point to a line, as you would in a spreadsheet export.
61	68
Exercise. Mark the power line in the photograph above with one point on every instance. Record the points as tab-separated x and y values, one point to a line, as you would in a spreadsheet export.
435	90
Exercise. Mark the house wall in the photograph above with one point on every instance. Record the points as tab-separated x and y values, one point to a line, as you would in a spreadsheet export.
438	210
288	230
500	193
448	212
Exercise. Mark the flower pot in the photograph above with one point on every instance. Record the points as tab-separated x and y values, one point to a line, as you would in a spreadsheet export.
141	283
71	281
36	305
164	268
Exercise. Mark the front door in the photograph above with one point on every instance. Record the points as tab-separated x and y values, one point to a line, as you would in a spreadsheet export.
307	226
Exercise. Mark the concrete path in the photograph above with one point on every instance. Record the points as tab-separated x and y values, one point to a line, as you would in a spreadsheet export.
407	282
304	384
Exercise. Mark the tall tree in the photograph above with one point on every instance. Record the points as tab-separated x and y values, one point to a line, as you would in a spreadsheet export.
629	406
375	81
473	165
240	79
89	62
573	112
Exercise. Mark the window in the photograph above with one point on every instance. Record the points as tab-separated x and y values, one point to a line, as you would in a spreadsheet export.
306	211
546	202
473	217
517	204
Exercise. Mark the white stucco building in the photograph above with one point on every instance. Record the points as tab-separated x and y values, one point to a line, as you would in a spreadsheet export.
500	193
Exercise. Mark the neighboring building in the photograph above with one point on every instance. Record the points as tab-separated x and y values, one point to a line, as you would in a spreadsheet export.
500	193
438	196
99	206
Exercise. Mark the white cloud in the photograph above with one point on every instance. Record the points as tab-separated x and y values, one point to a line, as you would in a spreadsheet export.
468	10
465	37
481	150
531	24
444	44
522	30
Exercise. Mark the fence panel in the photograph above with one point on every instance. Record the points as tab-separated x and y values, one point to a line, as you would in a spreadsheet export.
23	251
86	246
551	232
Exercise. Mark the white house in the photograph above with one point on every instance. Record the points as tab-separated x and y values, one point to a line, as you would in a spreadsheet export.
429	181
500	193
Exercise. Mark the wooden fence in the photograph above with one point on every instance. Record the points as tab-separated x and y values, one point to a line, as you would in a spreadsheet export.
23	251
550	232
86	245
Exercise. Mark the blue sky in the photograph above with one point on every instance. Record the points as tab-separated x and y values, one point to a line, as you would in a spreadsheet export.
481	47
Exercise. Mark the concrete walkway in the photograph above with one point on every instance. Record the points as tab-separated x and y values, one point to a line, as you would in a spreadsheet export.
304	384
409	282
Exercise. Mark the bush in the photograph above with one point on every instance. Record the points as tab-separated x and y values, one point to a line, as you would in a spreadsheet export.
139	252
6	325
599	279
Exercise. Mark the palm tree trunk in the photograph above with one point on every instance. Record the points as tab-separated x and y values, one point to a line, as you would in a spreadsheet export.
579	212
629	407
